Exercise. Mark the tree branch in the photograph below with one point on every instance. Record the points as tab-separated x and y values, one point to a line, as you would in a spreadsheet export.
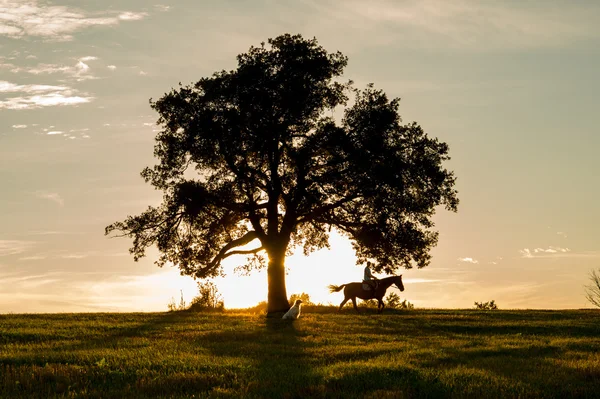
325	208
243	252
243	240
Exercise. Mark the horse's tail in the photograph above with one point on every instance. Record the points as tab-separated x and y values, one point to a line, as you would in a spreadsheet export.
336	288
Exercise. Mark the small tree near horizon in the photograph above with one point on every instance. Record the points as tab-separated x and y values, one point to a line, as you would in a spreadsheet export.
592	291
491	305
304	297
208	298
252	162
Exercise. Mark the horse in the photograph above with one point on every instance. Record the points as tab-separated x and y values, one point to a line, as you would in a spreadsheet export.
355	290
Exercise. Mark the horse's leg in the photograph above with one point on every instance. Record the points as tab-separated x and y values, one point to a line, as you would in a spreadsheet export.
354	303
343	303
380	305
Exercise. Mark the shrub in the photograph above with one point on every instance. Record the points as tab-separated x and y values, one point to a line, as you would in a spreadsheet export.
208	298
304	297
260	308
174	306
406	305
393	301
592	291
368	303
491	305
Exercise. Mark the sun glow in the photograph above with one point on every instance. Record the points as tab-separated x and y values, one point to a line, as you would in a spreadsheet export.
310	274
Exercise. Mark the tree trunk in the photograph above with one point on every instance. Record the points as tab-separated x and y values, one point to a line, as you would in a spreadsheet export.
277	296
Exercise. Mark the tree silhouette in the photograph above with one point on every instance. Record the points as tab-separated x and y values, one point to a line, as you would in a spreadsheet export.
252	162
592	291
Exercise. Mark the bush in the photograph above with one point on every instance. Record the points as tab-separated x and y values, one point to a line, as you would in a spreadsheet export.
174	306
592	291
491	305
304	297
392	301
260	308
208	299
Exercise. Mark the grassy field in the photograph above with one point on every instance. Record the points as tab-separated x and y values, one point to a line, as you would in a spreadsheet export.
402	354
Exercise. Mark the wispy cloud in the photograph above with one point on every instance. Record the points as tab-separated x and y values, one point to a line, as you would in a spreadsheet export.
420	280
34	257
162	7
112	67
551	250
468	260
54	197
525	253
21	18
464	23
556	252
132	16
49	232
14	247
19	126
37	96
79	71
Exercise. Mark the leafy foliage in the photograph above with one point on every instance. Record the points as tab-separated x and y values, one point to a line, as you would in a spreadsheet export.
491	305
592	291
174	306
208	298
392	300
304	297
252	162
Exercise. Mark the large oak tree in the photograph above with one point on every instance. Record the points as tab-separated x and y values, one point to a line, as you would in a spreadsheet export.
252	162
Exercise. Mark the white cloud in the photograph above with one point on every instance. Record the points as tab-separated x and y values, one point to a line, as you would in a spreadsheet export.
551	250
54	132
142	73
82	66
19	126
112	67
162	7
13	247
468	260
562	234
526	253
80	71
49	69
132	16
37	96
54	197
555	252
20	18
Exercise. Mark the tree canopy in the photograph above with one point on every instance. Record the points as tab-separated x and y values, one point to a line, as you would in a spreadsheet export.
255	155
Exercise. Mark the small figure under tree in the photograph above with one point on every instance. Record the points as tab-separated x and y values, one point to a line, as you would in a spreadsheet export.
274	170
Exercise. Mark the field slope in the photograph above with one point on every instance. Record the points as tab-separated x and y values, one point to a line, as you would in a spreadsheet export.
410	354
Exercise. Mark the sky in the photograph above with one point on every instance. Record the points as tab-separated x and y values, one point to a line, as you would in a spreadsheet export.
511	86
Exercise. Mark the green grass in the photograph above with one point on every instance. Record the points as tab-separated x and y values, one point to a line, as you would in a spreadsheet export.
409	354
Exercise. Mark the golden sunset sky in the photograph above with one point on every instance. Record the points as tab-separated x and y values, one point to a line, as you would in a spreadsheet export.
511	86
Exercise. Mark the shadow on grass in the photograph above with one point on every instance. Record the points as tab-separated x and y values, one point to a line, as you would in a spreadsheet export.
118	336
277	351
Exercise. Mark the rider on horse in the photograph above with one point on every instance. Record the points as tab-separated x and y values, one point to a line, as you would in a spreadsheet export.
369	278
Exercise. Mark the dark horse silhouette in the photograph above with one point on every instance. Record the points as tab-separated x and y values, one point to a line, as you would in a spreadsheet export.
355	290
